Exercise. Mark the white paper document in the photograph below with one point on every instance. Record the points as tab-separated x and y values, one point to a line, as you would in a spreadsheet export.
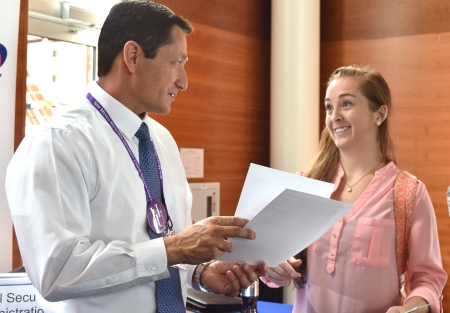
263	184
285	222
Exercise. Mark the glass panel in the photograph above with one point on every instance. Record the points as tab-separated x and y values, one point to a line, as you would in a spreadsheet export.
57	75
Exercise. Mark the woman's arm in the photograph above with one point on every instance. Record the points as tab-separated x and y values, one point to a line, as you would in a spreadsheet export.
426	274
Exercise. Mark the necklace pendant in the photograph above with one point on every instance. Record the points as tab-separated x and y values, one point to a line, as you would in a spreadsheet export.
349	189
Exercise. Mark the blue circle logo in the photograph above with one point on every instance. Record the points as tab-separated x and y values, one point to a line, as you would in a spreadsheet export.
3	54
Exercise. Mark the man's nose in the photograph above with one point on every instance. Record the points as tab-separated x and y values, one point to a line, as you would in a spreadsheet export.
182	81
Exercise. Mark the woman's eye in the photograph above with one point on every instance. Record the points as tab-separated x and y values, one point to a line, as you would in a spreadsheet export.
346	103
328	107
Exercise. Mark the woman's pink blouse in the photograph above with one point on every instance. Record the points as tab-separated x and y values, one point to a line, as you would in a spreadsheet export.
352	267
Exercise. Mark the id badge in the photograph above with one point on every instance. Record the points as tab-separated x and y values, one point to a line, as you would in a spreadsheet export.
157	216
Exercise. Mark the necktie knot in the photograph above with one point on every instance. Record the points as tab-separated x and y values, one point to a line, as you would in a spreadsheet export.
142	133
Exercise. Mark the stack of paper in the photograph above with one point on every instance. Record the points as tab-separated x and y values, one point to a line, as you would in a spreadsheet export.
288	212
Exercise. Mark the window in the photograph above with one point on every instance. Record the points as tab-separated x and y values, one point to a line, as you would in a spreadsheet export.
57	74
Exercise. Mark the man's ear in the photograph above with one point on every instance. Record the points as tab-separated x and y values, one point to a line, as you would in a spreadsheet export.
130	52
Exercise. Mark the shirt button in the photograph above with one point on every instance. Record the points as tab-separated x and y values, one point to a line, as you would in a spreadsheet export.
108	281
334	235
331	252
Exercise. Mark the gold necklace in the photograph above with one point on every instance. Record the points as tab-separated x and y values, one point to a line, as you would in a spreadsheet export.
350	188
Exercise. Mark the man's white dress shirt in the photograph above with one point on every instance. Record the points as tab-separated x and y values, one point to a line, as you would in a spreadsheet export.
79	209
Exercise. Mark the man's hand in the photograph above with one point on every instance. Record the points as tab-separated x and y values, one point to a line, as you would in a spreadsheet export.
205	240
229	278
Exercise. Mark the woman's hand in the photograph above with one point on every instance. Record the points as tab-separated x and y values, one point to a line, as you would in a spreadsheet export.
282	274
410	304
397	309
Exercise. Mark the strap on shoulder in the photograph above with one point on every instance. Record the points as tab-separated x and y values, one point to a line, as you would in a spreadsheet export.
404	194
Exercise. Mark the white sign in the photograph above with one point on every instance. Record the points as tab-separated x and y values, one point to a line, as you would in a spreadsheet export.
9	24
18	295
193	162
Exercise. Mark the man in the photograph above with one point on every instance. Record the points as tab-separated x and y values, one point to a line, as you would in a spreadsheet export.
82	190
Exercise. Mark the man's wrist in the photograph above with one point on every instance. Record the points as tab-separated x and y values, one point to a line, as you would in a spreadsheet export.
172	251
196	281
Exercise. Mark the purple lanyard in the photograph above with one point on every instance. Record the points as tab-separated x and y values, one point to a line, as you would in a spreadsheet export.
105	114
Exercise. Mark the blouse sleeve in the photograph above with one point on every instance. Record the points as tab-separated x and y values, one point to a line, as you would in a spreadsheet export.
427	276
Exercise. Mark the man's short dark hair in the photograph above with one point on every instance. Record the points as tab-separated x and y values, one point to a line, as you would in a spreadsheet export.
148	23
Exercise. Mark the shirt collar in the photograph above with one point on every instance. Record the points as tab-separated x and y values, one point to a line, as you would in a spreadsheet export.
340	173
126	120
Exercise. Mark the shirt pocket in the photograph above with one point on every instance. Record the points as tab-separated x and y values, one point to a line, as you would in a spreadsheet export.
373	241
179	208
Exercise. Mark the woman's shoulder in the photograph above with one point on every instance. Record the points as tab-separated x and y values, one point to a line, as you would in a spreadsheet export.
411	181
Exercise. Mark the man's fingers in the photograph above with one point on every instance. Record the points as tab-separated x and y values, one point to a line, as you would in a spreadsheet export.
252	275
238	276
230	231
261	270
206	239
225	246
228	226
232	226
227	221
244	281
233	287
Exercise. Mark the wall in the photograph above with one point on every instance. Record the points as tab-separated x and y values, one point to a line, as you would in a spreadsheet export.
21	80
226	108
408	41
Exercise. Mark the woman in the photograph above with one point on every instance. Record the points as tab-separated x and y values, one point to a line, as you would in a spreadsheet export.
352	267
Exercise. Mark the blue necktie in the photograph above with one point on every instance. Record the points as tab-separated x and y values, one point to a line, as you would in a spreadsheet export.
169	298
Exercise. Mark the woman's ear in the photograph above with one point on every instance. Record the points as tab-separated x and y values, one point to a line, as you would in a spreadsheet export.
382	113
